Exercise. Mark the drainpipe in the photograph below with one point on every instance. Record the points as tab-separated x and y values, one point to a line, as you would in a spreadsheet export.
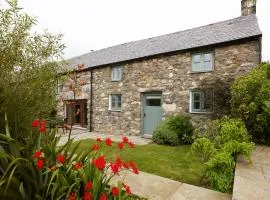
91	100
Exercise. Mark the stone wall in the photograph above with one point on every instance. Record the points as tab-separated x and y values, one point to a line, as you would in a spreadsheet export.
169	74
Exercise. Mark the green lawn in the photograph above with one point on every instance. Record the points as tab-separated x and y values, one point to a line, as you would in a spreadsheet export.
166	161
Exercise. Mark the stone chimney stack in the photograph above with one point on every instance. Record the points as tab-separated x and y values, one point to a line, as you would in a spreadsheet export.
248	7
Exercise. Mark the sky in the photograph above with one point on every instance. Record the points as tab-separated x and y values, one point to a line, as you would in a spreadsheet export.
95	24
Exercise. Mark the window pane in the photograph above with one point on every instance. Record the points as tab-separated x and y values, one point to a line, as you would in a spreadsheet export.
207	65
119	104
116	73
196	67
196	58
153	102
196	96
197	106
207	57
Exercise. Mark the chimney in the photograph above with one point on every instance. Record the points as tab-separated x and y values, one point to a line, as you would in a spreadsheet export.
248	7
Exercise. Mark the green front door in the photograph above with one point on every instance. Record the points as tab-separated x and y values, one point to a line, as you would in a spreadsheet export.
152	112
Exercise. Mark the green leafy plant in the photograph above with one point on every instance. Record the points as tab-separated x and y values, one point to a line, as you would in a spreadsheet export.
219	144
164	135
250	94
39	169
174	130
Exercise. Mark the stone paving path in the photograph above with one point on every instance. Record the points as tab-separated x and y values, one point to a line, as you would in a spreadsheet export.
158	188
82	134
252	180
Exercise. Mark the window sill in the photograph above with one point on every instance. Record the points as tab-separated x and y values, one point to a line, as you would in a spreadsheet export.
198	112
197	72
115	110
116	80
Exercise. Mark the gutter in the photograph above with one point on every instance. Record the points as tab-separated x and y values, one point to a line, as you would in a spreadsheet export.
91	101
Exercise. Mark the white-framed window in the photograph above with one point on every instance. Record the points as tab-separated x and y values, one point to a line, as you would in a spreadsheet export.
197	102
116	73
59	86
202	62
115	102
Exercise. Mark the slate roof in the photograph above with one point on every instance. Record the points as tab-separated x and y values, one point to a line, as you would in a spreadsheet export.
225	31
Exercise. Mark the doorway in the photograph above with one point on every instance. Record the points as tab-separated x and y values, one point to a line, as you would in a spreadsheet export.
152	112
76	112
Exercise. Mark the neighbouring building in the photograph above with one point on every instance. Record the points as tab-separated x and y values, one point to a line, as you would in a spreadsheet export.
130	88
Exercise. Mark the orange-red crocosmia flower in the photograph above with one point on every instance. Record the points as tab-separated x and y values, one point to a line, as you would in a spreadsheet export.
103	197
95	147
72	196
40	164
88	185
131	145
120	145
108	141
61	158
77	166
98	140
119	162
126	165
134	168
114	168
35	123
42	129
125	139
87	196
100	163
37	154
128	190
115	191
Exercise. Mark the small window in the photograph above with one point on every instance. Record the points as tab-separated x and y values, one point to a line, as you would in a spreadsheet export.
202	62
59	87
115	102
197	101
116	73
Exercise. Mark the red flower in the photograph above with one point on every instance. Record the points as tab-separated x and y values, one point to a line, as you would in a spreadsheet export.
127	188
87	196
114	168
35	123
88	185
119	162
126	165
115	191
134	168
40	164
100	163
43	123
42	129
60	158
120	145
125	139
103	197
98	140
95	147
108	141
37	154
72	196
131	145
77	165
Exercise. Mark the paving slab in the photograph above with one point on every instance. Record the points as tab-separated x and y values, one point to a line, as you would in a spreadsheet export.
82	134
252	179
159	188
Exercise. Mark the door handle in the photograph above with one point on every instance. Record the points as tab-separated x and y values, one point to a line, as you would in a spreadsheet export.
144	114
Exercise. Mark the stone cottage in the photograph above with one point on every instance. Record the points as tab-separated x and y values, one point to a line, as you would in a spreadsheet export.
130	88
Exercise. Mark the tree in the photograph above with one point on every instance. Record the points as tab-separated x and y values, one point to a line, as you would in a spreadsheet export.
28	65
250	102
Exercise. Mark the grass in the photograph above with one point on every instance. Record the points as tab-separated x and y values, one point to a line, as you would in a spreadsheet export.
166	161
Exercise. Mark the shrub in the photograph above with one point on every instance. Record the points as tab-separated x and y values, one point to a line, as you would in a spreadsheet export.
218	145
164	135
250	97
